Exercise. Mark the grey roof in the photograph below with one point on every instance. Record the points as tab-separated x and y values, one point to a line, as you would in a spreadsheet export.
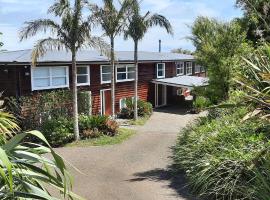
183	81
24	56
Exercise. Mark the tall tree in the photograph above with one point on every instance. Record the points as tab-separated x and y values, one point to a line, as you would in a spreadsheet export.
72	33
182	51
138	26
112	22
256	19
219	47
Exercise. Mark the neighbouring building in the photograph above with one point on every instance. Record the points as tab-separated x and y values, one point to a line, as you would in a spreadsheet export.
162	77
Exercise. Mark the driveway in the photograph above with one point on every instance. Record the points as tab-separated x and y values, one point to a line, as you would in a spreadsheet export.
137	169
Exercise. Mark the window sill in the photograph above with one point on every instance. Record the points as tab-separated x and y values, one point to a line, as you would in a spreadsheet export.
127	80
49	88
161	77
180	74
83	84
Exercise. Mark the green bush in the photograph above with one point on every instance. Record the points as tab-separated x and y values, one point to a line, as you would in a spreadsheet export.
219	156
95	126
58	132
144	109
201	103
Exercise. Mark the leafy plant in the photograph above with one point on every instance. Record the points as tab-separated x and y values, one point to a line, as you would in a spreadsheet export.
255	81
201	103
220	154
25	169
144	109
58	132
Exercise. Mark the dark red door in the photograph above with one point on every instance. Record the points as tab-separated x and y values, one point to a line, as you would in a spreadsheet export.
107	101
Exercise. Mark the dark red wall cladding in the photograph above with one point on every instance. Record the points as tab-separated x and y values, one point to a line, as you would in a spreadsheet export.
16	80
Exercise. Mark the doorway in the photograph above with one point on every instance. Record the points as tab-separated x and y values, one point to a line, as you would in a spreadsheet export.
160	95
106	102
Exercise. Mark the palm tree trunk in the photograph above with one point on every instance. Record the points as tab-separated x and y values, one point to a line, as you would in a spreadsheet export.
75	98
136	80
113	77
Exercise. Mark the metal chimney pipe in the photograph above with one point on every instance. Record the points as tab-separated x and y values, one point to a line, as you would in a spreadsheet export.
159	46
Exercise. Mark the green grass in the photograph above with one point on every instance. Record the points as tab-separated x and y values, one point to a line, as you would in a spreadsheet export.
123	135
140	122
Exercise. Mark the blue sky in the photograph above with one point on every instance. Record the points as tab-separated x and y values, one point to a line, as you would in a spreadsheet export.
181	13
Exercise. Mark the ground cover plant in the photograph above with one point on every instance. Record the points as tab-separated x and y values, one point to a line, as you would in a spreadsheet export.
222	155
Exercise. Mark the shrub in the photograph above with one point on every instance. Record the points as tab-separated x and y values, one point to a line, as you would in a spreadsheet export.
58	131
95	126
219	156
201	103
144	109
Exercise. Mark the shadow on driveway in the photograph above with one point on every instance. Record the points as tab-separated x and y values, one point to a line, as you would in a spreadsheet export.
177	181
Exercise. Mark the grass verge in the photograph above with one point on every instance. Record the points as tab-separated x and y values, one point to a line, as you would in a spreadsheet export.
123	135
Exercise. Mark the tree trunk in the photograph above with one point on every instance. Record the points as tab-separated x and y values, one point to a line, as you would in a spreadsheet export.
113	77
75	98
136	80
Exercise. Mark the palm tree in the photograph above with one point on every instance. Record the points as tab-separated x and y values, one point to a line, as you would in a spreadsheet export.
112	22
138	27
72	33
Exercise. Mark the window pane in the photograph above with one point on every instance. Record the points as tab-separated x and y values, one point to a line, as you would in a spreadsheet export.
106	69
82	70
82	79
122	103
160	73
59	81
106	77
58	71
131	69
41	72
131	75
160	66
42	82
121	76
121	69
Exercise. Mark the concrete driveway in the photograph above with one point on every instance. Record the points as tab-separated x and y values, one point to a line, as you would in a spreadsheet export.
138	169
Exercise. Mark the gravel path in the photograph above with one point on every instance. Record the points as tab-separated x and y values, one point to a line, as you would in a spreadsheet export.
138	169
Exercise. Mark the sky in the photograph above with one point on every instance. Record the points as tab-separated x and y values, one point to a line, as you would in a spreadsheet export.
181	13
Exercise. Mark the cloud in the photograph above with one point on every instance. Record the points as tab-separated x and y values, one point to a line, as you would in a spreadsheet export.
181	14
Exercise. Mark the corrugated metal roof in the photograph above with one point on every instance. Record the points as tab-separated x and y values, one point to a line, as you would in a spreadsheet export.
24	56
183	81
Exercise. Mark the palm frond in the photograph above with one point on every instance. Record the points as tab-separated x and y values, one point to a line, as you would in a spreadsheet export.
44	45
60	7
159	20
41	25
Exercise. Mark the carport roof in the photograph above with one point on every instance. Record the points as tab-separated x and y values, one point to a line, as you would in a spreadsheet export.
183	81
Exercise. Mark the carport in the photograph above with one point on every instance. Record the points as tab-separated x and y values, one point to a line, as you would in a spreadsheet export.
169	89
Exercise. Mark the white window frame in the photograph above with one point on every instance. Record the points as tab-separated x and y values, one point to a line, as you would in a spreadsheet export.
101	73
88	75
180	65
189	68
126	72
50	77
163	69
197	67
203	69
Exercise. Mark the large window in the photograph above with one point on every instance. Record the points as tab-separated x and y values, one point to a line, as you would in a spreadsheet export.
83	75
197	68
49	78
125	73
161	70
123	102
189	70
180	68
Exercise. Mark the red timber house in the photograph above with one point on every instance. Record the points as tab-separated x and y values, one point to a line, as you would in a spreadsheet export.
161	76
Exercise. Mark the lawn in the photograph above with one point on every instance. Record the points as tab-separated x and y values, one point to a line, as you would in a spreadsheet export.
123	135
